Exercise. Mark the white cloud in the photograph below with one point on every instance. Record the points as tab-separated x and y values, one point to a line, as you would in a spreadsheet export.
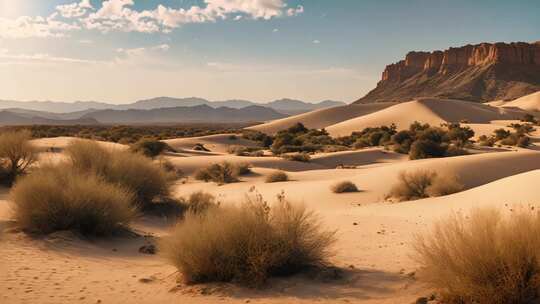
120	15
74	10
25	27
316	41
295	11
275	30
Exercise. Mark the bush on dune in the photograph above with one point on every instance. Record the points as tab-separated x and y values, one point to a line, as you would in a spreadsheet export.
422	184
247	243
300	157
146	179
150	147
277	176
198	202
222	173
483	258
16	155
344	186
57	197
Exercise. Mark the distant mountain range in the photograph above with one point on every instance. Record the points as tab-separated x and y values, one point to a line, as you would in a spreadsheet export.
156	110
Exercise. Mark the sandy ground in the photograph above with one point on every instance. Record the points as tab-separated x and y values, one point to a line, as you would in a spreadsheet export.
529	102
374	235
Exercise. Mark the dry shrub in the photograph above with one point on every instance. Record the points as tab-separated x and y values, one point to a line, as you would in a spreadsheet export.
277	176
484	258
444	185
242	169
150	147
301	157
412	185
59	198
198	202
16	155
146	179
344	186
247	243
222	173
424	183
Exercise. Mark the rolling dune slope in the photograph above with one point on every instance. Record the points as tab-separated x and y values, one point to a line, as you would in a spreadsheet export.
323	118
425	110
529	102
215	143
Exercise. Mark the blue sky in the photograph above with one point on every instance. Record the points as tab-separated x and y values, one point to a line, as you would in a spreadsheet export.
222	49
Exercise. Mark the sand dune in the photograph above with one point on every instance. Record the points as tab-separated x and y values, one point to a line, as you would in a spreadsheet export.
529	102
60	143
426	110
374	180
322	118
215	143
358	157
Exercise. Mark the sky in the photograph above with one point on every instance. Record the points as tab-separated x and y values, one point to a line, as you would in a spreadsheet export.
120	51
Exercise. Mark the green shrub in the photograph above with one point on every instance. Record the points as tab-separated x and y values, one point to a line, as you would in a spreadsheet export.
150	147
426	149
300	157
501	134
248	243
483	258
57	197
16	155
344	186
140	175
223	173
277	176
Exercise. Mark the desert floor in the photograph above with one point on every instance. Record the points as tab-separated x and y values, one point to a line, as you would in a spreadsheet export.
374	236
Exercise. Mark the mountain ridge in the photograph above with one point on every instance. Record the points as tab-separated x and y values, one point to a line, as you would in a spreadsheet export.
163	102
480	72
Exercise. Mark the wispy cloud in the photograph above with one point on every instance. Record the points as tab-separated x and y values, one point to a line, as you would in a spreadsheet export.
120	15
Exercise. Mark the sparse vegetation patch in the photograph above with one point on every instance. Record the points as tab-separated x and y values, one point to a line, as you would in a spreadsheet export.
247	243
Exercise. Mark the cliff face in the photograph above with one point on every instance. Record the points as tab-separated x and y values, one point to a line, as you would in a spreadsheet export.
479	72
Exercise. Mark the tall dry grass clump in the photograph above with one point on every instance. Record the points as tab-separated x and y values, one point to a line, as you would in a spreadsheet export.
220	173
422	184
56	197
486	258
247	243
16	155
145	178
198	202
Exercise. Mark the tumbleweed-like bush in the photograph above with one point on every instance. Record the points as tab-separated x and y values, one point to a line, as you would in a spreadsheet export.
247	243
